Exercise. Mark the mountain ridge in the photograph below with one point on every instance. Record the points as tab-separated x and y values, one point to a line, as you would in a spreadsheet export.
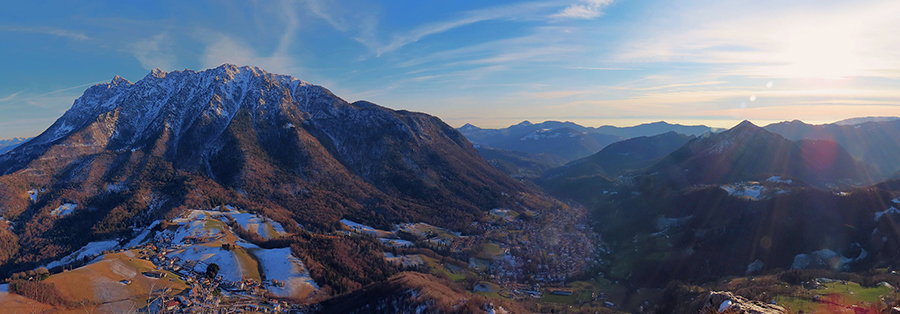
747	152
568	140
620	158
874	142
129	153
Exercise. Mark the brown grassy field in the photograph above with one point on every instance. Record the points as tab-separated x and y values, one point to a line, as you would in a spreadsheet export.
99	283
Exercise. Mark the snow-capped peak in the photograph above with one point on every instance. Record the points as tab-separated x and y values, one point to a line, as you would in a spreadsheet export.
130	115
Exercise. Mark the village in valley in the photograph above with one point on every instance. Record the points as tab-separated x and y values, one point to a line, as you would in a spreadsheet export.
517	255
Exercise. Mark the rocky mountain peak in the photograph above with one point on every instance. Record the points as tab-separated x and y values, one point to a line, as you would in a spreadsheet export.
469	127
118	80
744	132
156	73
524	123
745	125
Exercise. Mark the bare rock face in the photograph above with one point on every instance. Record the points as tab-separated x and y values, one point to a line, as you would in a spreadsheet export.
721	301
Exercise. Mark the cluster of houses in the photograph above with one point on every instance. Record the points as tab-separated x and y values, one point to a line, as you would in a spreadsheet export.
207	295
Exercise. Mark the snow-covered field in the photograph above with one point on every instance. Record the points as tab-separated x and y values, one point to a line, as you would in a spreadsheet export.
141	237
749	190
194	229
276	264
281	265
235	265
266	228
777	179
229	266
93	248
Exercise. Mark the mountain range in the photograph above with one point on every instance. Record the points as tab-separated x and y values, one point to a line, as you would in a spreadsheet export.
568	140
127	155
750	153
861	120
749	199
8	144
873	141
601	170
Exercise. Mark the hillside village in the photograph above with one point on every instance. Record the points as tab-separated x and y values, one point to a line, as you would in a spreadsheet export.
178	253
171	261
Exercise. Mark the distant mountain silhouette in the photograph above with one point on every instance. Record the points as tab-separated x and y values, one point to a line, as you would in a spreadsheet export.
876	143
747	152
567	139
614	160
854	121
520	165
8	144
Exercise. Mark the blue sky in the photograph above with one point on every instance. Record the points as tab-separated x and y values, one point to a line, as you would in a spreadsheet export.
489	63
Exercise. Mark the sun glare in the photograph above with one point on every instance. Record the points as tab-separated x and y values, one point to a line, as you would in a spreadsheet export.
813	51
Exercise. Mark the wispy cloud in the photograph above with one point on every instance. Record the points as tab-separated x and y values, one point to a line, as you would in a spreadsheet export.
515	11
366	25
732	103
598	90
357	18
33	98
223	48
792	42
46	30
602	69
155	52
586	9
547	44
10	97
818	113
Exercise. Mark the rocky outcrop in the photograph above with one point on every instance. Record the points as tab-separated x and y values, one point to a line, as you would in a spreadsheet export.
723	301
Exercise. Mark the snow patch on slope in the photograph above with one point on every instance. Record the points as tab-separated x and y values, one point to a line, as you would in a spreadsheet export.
64	209
777	179
748	190
229	267
279	264
142	236
360	228
892	210
91	249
